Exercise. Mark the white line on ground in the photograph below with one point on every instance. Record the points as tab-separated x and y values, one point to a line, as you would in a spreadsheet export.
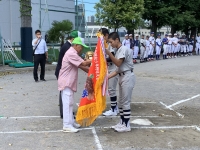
29	117
94	131
198	129
131	103
182	101
135	116
180	115
96	138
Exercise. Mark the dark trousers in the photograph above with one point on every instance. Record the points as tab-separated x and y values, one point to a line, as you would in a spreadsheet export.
39	59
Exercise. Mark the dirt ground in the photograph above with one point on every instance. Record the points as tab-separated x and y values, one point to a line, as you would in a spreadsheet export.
167	93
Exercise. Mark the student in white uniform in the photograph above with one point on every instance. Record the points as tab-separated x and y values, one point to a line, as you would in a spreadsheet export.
112	83
126	41
165	46
158	47
142	49
136	48
198	44
183	42
147	48
175	45
124	63
152	46
169	55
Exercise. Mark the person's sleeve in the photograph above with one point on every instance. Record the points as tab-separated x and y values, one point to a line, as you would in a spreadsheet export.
33	42
45	46
75	59
122	53
123	42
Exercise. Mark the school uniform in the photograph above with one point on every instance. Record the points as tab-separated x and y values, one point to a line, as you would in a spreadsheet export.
112	85
183	41
169	47
198	45
158	48
126	85
165	47
142	49
126	43
175	46
152	44
191	43
146	55
136	48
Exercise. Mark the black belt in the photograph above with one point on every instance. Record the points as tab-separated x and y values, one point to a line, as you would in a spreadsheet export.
123	73
110	64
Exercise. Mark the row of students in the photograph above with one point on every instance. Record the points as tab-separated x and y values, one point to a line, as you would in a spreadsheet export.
173	47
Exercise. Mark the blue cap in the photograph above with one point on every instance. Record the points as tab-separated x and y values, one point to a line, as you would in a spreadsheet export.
152	32
166	34
158	34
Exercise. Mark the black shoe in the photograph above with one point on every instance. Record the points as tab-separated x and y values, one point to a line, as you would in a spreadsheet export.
36	80
42	79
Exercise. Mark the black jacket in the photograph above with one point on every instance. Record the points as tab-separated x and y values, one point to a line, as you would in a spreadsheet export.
63	50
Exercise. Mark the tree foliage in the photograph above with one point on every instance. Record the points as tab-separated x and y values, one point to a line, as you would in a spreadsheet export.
59	30
118	13
178	14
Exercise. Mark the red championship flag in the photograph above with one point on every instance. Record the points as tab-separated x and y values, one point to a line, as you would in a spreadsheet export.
93	101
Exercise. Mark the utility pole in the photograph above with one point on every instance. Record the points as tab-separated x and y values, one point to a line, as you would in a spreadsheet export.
76	24
40	16
1	47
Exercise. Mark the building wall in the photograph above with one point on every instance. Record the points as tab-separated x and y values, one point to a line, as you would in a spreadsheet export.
47	17
10	21
81	19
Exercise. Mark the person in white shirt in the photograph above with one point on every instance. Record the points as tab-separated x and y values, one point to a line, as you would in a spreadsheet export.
198	44
126	41
158	47
175	46
142	49
146	54
169	46
152	46
40	55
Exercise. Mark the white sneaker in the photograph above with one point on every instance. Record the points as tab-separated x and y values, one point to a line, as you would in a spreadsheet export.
110	113
76	125
70	129
123	129
119	125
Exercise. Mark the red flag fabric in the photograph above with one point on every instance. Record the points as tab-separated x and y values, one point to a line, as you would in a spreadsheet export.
93	101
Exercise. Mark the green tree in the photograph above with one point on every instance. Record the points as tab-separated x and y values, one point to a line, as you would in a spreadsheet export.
186	17
158	12
118	13
59	30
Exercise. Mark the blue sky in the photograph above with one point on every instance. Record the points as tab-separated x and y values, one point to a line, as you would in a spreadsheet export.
89	6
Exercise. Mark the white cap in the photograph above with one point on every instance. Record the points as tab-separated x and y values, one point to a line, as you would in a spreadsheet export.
169	34
126	34
136	35
130	35
183	34
175	33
